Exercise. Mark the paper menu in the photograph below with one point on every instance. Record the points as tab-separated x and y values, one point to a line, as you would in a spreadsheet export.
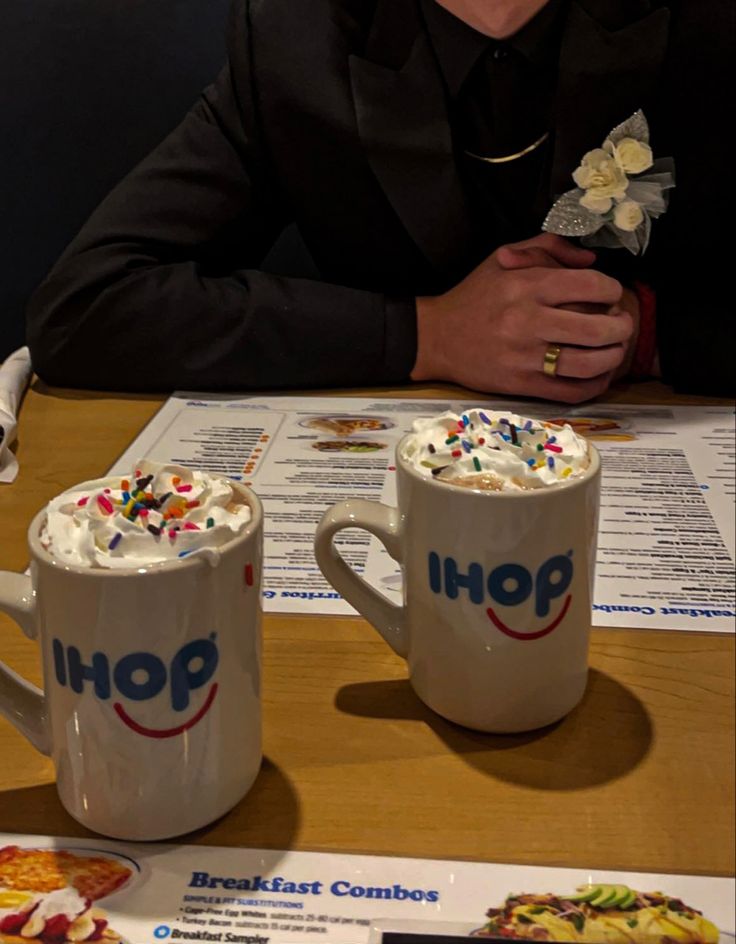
170	893
666	538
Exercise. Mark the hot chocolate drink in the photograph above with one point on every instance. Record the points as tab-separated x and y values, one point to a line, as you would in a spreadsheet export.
495	451
158	513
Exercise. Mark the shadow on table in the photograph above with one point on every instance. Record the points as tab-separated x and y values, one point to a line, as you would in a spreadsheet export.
68	393
604	738
267	818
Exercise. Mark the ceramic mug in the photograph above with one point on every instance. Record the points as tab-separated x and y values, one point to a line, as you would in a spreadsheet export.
151	704
497	590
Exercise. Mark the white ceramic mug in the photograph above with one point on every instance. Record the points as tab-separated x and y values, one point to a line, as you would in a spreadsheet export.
151	704
497	593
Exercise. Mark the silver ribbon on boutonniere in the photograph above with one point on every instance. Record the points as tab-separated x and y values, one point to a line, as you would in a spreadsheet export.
620	190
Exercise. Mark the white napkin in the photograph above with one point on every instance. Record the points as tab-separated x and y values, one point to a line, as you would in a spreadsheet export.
15	372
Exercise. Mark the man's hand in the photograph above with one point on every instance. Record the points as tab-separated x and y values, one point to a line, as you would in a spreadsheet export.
491	331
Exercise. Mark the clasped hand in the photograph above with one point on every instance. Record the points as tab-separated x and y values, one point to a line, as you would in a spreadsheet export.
491	331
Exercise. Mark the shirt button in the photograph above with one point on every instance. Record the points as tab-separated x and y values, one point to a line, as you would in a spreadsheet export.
500	52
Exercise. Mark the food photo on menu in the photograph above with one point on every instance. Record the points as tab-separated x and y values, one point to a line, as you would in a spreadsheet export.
348	434
347	425
51	896
600	913
348	445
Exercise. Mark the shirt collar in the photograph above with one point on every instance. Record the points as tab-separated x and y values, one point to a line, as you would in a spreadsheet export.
458	46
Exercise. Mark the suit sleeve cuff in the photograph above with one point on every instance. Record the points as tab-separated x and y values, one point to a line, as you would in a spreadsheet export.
400	351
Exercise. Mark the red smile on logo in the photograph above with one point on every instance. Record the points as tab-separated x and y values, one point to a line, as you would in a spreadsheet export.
499	624
166	732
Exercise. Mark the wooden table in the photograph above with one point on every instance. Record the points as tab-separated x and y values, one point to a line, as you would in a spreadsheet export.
640	776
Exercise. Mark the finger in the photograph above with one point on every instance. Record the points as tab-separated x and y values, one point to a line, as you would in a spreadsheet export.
570	391
558	286
559	248
510	257
560	326
588	308
587	363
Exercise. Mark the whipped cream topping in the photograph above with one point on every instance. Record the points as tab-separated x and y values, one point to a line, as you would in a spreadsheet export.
63	901
159	513
495	450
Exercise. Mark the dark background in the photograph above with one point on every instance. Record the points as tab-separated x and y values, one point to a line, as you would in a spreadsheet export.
87	88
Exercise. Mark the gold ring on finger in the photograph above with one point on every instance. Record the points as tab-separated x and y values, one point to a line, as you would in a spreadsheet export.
551	357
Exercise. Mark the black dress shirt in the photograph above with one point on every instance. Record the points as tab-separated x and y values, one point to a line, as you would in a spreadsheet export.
500	101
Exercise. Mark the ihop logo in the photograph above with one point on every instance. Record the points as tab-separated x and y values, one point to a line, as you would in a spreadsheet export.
508	585
142	676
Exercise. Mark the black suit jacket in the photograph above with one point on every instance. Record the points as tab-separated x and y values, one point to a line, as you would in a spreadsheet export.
332	114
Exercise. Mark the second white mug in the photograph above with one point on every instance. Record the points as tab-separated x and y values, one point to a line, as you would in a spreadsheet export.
497	591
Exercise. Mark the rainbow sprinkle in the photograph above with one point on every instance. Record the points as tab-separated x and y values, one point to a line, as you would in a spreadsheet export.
105	504
164	515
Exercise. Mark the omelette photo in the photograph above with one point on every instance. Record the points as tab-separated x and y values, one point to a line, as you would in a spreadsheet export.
600	914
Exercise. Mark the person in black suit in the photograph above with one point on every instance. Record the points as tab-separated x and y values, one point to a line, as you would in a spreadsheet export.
417	145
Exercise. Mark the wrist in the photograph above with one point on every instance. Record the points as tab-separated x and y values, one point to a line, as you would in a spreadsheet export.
645	361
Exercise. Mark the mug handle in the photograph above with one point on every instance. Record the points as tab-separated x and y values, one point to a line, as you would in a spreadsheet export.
385	523
20	702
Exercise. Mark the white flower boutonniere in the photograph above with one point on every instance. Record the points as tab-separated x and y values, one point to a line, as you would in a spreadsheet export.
615	201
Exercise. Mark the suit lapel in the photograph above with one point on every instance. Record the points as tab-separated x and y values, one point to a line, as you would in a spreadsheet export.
607	71
403	124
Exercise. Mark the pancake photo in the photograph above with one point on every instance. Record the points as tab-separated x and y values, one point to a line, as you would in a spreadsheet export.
347	425
48	896
598	428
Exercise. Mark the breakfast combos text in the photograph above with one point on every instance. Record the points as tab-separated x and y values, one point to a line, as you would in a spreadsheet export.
340	888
